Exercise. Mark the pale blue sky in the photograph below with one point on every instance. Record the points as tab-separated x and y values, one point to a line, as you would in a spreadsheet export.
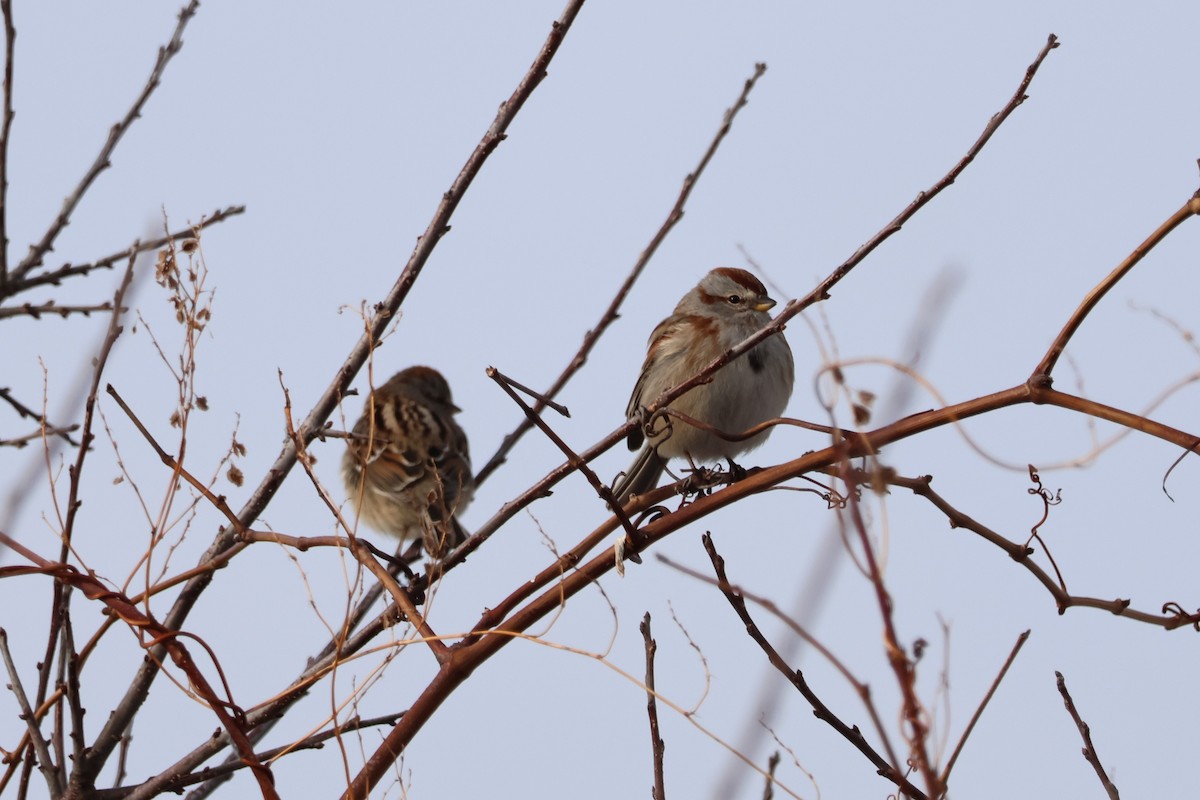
340	127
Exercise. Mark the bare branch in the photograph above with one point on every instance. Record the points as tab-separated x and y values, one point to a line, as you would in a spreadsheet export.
861	689
40	745
1041	373
20	441
1089	750
572	458
37	252
657	746
1119	607
28	413
50	307
230	768
850	733
231	717
56	276
10	37
1008	662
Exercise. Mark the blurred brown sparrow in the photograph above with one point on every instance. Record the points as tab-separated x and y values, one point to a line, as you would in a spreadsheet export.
406	469
723	309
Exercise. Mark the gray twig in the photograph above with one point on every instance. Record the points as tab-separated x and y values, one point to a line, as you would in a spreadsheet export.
1089	750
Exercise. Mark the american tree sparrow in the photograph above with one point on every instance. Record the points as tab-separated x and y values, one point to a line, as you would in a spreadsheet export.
406	468
723	309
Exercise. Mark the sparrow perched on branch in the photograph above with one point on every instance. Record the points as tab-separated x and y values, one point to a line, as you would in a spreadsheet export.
727	306
406	468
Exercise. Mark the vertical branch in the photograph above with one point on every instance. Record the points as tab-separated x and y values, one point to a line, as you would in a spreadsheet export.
656	743
898	659
1041	373
10	36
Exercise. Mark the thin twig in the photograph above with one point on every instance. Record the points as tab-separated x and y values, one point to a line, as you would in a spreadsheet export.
861	689
69	677
21	441
52	308
922	487
10	36
1041	372
1008	662
1089	750
898	658
27	412
572	458
61	590
230	768
402	599
37	252
611	313
657	746
40	745
56	276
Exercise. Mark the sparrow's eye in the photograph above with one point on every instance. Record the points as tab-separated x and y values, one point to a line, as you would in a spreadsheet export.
734	299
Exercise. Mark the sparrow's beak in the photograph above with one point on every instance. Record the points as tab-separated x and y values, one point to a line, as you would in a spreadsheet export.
765	304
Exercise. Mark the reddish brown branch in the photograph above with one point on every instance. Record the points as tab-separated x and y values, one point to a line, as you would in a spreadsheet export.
153	634
902	665
1041	372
